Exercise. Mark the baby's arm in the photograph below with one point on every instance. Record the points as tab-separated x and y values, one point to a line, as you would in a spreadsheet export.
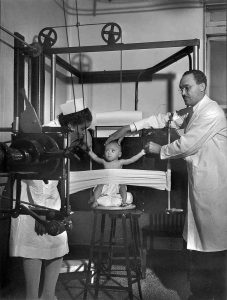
94	157
133	158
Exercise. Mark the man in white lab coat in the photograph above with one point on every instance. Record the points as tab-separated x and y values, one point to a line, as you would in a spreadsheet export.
204	147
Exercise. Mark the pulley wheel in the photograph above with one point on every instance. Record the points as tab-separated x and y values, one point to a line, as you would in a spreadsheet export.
47	37
111	33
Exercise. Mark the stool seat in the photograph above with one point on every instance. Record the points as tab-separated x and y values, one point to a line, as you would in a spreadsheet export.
120	208
131	250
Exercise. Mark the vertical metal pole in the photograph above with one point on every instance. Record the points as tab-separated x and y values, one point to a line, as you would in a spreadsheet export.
121	80
19	62
169	168
67	174
42	86
170	94
94	7
195	57
64	179
29	82
38	85
53	87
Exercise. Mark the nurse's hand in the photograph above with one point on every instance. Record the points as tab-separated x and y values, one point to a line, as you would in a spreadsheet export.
40	229
152	147
119	134
88	139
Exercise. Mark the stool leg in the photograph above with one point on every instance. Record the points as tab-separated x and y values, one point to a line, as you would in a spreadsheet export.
144	253
99	262
111	243
139	264
127	259
135	249
134	237
141	252
91	254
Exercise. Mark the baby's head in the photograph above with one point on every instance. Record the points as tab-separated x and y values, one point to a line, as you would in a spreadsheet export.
112	151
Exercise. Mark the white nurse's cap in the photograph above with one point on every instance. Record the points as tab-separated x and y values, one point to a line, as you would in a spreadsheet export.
72	106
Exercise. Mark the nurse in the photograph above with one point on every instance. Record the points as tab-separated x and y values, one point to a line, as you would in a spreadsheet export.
39	250
204	147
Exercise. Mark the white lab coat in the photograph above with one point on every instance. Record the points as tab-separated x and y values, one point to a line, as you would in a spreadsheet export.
24	242
204	147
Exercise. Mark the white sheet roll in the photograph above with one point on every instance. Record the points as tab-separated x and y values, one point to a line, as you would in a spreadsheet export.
117	118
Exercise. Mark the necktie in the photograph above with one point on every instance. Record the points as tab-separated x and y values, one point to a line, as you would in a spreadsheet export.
183	112
190	113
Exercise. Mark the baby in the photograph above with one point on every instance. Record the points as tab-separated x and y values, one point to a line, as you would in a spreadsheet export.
112	194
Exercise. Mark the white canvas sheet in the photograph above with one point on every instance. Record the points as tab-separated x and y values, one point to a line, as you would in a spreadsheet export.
81	180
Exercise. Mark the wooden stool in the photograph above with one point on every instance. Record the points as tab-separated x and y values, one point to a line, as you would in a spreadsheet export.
132	251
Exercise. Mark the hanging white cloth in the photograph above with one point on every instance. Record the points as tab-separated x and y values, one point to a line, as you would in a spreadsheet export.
81	180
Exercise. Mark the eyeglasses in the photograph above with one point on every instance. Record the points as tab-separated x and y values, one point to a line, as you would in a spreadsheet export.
186	88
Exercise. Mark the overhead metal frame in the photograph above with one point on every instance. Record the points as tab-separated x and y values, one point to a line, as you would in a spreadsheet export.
123	47
190	47
38	66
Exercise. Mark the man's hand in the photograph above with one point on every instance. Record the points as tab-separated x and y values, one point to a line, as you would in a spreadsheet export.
152	147
119	134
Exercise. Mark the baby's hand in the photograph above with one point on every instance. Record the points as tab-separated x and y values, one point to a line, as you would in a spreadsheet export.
152	147
143	151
